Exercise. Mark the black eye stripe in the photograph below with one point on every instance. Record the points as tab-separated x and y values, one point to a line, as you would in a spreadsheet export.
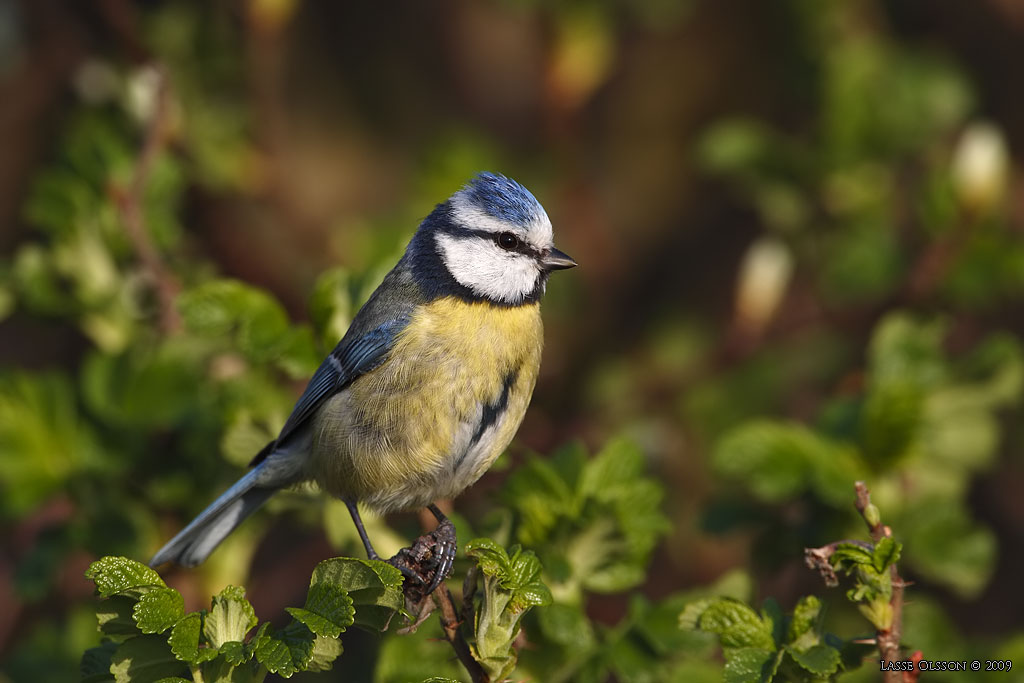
523	247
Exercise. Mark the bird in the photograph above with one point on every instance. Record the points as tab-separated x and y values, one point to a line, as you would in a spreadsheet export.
426	388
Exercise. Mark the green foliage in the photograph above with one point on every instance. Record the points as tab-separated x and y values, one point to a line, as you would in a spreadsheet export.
922	417
765	646
511	586
593	522
123	426
214	644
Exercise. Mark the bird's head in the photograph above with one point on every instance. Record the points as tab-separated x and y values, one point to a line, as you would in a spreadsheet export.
494	238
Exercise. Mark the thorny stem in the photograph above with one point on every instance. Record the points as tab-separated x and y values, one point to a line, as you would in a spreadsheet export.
888	639
820	560
450	623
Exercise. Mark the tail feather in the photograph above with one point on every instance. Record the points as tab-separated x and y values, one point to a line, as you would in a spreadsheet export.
195	542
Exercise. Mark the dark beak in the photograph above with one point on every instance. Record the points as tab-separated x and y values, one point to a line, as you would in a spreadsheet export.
557	260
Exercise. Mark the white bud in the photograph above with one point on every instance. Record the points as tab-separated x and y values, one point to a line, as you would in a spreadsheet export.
141	93
763	279
980	166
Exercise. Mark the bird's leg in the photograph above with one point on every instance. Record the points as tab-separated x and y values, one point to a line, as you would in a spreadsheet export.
358	521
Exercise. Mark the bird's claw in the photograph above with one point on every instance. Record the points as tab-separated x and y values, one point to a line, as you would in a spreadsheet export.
427	562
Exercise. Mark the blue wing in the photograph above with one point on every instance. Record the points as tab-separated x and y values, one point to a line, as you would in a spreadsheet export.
350	359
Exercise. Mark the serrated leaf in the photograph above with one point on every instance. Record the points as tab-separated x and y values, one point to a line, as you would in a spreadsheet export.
328	610
774	459
158	610
805	618
490	556
689	618
820	660
737	625
286	651
617	465
184	640
113	575
325	651
230	617
114	616
145	659
848	555
374	587
236	653
748	665
95	664
886	553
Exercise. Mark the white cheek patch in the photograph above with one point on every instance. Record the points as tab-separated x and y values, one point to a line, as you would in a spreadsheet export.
487	270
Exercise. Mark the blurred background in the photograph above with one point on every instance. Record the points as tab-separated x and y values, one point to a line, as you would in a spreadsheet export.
799	229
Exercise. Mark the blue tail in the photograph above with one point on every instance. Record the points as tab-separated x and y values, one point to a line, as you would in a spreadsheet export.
204	533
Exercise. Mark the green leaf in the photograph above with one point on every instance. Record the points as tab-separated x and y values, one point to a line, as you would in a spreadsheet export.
851	554
184	640
325	651
224	307
113	575
949	547
230	617
145	659
511	585
114	616
374	587
158	610
286	651
95	664
566	625
330	305
328	610
618	464
236	652
518	573
737	625
749	665
886	554
820	660
776	460
802	625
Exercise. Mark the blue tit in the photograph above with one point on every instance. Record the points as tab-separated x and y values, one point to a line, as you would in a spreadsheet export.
429	383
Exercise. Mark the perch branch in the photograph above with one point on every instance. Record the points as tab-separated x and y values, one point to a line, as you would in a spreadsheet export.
888	639
453	634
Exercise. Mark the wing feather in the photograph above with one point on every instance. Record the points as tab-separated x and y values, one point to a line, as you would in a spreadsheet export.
350	359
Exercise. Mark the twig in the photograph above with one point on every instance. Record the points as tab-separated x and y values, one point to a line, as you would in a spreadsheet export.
130	202
450	623
888	639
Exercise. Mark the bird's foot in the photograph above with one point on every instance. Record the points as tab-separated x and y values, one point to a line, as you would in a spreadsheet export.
427	562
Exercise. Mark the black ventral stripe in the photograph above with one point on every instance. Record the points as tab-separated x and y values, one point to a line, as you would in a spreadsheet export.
493	411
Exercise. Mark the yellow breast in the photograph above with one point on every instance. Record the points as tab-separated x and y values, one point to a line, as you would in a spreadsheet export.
416	428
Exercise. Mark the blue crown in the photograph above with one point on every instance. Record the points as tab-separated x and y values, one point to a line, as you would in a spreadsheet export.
503	198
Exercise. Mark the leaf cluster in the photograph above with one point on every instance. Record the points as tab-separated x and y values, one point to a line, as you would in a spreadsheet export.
147	636
921	417
592	521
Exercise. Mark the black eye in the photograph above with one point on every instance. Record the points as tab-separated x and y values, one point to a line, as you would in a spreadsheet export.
508	241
